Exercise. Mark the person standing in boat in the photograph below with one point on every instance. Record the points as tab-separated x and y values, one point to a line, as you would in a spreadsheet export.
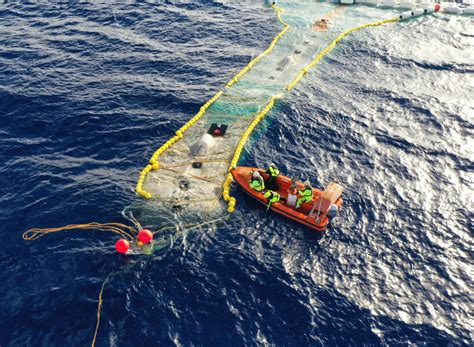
306	194
256	182
273	173
272	197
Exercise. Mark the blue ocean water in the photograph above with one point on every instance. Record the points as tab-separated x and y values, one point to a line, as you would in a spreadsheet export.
89	90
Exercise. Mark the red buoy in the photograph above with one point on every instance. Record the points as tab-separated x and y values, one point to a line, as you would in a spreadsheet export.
122	246
217	132
145	235
437	7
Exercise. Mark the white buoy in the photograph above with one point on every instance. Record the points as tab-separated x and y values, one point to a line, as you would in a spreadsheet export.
468	10
420	11
428	8
205	143
417	12
405	15
368	2
452	10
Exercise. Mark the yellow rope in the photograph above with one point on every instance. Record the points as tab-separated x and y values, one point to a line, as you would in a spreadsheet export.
99	307
331	46
203	178
192	162
238	152
264	53
153	164
117	228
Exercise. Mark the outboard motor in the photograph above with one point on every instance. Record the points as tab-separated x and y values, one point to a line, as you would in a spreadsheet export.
332	212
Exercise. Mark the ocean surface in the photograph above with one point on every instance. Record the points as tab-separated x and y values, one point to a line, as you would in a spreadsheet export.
88	91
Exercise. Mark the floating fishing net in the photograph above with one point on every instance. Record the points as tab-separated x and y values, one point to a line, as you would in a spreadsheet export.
192	170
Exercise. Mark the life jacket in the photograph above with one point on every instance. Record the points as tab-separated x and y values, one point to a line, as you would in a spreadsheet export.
273	171
257	184
272	196
306	193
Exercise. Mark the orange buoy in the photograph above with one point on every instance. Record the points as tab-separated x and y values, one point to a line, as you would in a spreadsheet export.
145	235
122	246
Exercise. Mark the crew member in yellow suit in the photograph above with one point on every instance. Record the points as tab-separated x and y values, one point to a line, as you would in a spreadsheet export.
306	194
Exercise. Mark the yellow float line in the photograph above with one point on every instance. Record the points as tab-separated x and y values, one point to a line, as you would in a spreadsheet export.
264	53
153	164
238	152
258	118
330	47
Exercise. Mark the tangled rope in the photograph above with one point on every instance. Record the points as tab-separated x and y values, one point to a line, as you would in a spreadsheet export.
123	230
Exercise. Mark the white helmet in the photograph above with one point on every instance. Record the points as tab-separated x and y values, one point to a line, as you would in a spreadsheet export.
256	174
307	183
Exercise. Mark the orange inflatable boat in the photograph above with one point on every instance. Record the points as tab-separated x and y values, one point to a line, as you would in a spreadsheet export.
315	214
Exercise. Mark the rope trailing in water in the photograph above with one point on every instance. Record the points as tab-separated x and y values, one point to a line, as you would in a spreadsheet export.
154	164
120	229
112	274
99	307
331	46
192	162
123	230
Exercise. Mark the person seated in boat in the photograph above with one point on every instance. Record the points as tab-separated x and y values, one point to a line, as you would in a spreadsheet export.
306	194
256	182
273	173
272	197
